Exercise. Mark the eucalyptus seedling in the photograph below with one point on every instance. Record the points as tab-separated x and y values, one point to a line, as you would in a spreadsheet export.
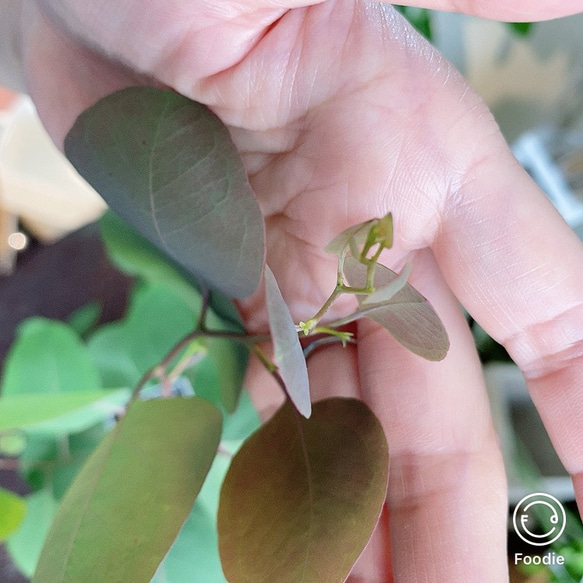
168	167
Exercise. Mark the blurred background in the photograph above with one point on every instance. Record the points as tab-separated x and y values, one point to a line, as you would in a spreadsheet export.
53	263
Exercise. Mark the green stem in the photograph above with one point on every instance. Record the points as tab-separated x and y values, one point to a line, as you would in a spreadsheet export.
265	360
309	326
313	322
371	268
340	272
362	291
363	254
271	369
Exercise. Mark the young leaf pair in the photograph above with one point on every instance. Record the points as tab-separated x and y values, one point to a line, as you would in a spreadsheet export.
383	295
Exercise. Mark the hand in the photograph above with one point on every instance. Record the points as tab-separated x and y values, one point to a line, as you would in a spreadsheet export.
342	114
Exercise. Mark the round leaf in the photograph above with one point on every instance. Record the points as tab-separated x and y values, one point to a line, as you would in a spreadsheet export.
168	166
135	255
230	359
302	496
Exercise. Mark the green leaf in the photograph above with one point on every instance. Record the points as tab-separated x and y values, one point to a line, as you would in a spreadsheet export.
24	546
51	461
40	456
135	255
226	310
79	446
48	357
168	166
157	319
194	556
408	316
59	413
288	354
12	512
128	503
231	359
302	496
83	319
243	422
204	380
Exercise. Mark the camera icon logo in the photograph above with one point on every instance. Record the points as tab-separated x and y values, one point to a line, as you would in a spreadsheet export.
543	511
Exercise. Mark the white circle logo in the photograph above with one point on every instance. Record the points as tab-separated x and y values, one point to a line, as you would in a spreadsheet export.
544	511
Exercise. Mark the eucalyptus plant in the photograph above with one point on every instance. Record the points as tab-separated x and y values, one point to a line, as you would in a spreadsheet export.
303	492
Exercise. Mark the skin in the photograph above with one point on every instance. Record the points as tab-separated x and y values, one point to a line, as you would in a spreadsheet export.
342	114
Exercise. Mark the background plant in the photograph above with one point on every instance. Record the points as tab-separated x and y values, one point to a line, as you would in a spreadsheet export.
422	20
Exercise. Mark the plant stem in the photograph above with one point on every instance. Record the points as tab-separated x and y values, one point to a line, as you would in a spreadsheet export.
308	327
159	370
313	321
313	346
272	369
186	362
264	359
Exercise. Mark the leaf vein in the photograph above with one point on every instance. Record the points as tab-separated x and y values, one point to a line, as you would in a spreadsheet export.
151	178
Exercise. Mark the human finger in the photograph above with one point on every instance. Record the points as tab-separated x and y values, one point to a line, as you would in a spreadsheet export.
516	266
447	491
